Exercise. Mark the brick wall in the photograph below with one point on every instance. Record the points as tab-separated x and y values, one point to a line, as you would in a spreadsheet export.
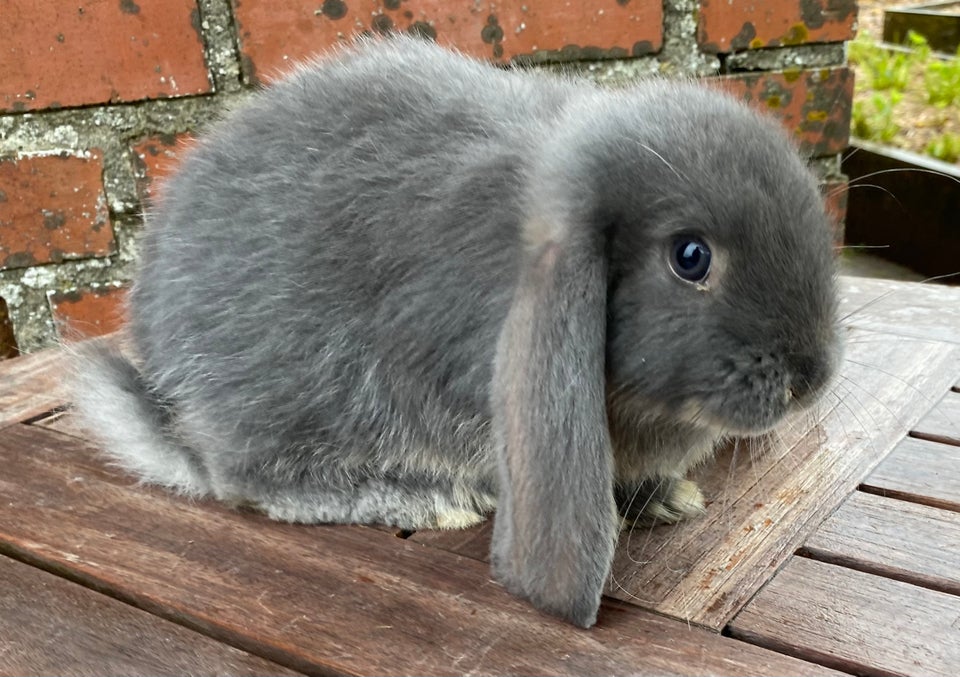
96	97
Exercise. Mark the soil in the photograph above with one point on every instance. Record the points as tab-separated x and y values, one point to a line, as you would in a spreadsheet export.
919	121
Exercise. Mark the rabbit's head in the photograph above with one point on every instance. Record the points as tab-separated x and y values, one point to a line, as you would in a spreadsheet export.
679	268
720	288
721	295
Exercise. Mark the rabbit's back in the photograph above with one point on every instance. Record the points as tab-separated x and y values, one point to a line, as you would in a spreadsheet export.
332	263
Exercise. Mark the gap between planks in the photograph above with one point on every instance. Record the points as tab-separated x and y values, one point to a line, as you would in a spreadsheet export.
919	471
942	424
895	539
853	621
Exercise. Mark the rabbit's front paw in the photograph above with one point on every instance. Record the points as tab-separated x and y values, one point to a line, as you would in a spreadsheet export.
661	501
457	518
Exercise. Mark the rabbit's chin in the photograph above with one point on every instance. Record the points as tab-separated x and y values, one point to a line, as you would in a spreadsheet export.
692	415
724	426
751	424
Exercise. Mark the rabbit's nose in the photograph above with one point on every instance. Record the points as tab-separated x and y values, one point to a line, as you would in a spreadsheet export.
809	376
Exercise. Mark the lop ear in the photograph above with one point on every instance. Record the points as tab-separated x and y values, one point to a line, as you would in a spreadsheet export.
556	521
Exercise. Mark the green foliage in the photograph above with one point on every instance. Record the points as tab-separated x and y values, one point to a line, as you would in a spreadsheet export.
945	147
885	69
941	79
885	75
873	119
919	45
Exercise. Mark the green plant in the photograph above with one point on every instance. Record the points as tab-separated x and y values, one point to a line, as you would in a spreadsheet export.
919	45
941	79
945	147
885	69
874	122
927	83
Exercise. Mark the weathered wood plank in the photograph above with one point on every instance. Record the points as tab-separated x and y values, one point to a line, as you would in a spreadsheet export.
31	385
854	621
942	424
762	506
928	311
318	599
895	539
919	471
50	626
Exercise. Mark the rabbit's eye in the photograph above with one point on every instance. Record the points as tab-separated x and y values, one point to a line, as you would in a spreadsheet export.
690	258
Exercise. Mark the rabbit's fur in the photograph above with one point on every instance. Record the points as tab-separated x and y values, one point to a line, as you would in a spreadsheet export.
403	286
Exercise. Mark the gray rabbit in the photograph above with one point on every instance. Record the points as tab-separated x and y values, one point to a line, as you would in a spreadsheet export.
406	287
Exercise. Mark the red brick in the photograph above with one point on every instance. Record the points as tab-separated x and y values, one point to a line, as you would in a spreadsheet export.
8	342
53	208
86	313
155	157
814	105
58	54
734	25
274	34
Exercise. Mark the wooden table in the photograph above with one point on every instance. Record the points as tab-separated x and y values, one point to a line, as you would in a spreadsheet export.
838	548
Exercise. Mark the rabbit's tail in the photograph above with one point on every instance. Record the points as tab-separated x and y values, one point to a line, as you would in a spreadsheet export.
120	409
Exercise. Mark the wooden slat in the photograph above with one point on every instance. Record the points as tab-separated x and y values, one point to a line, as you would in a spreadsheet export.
763	506
49	626
942	424
929	311
318	599
31	385
919	471
895	539
854	621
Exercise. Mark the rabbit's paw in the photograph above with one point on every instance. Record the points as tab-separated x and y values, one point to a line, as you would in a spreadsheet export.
662	502
457	518
683	500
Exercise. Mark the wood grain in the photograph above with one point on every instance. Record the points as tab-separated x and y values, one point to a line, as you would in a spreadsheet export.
854	621
904	541
942	424
318	599
31	385
918	310
919	471
762	506
51	626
